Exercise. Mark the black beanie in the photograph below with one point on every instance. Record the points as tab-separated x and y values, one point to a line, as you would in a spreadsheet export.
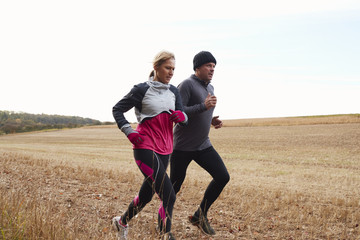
202	58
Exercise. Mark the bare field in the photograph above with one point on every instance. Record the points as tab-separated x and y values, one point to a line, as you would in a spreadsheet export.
287	182
291	121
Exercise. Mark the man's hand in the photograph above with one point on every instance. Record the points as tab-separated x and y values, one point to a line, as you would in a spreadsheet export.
216	122
210	101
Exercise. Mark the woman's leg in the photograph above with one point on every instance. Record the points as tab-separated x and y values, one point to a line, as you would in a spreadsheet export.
146	192
152	165
165	191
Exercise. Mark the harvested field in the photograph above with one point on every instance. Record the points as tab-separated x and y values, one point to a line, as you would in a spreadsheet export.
288	181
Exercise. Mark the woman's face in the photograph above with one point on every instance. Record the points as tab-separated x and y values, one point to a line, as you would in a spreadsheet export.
165	71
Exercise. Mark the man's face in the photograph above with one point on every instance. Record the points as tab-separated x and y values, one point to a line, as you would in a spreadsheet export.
206	71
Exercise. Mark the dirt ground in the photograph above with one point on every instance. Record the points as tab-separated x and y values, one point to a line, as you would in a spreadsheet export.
287	182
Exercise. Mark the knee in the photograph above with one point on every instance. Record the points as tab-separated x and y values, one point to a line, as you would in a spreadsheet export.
228	178
172	197
144	199
224	179
168	198
177	186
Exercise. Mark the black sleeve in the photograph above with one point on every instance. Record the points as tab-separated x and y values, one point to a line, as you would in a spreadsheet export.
191	106
178	100
132	99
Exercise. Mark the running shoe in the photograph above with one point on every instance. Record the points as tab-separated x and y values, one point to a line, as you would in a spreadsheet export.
168	236
202	222
122	230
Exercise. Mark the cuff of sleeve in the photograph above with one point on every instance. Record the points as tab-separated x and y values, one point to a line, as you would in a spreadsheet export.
127	129
203	107
185	122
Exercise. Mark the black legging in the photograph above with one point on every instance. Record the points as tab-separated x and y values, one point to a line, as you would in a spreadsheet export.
153	166
209	160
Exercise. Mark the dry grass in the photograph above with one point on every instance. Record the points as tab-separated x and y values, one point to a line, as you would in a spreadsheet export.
291	121
287	182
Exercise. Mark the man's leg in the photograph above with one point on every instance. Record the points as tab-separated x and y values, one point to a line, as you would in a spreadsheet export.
210	160
179	163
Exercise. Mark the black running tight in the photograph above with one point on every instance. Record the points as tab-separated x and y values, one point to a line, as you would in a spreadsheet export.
209	160
153	167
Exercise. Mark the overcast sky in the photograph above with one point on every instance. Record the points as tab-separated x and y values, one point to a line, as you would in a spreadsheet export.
275	58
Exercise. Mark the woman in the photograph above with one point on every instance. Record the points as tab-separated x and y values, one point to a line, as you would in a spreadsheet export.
157	106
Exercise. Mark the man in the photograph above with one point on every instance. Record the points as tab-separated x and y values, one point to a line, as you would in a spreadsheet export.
192	142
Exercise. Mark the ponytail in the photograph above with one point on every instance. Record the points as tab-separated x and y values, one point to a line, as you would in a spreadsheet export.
152	74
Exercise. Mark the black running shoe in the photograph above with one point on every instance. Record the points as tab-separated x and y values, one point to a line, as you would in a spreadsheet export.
202	222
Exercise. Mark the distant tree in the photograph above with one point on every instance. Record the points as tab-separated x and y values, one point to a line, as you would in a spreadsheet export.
12	122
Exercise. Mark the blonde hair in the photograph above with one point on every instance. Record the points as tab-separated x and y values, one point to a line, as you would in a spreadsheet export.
160	58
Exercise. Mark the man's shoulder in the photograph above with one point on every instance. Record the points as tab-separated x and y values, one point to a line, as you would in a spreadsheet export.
188	81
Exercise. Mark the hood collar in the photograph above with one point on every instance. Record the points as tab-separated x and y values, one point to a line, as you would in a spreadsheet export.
201	81
157	85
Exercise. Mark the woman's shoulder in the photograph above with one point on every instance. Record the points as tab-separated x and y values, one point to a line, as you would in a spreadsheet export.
140	87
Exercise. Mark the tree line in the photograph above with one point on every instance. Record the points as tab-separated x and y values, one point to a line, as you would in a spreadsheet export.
16	122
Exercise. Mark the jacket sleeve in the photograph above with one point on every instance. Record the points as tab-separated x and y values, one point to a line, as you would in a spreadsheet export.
178	100
132	99
179	103
186	89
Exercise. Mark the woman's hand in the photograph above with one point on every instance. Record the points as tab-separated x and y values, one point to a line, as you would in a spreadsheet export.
135	138
177	116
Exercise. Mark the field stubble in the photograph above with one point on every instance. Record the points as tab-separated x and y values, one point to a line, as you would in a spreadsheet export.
287	182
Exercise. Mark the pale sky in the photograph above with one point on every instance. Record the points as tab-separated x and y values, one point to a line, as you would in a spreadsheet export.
275	58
